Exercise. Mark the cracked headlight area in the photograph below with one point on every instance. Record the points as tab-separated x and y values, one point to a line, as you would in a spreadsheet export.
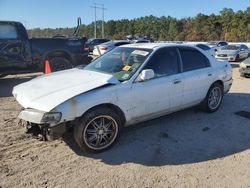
52	117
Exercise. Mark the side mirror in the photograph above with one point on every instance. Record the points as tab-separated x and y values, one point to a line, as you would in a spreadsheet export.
146	74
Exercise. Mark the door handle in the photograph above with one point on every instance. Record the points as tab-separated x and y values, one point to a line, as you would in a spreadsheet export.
177	81
209	74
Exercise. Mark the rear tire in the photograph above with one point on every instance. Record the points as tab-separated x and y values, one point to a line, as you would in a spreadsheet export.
59	64
213	99
97	130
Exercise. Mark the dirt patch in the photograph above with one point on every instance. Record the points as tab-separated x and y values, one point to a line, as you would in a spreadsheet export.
186	149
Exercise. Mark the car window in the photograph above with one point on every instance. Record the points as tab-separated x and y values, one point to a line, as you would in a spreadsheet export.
203	47
103	40
192	59
7	31
231	47
244	47
120	43
223	43
164	62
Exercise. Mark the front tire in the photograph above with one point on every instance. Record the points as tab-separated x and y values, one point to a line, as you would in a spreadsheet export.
97	130
213	99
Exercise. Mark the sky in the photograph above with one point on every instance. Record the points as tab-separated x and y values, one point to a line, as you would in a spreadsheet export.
64	13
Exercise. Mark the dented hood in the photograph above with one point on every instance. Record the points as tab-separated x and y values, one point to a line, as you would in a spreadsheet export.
46	92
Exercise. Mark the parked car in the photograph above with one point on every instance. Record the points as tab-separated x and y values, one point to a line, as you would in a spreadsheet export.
207	49
130	84
245	67
91	43
140	41
216	45
233	52
107	46
20	54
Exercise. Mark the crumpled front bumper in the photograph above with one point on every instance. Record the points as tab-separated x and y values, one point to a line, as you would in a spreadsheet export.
35	126
31	115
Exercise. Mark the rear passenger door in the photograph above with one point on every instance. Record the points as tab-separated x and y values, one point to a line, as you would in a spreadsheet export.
197	75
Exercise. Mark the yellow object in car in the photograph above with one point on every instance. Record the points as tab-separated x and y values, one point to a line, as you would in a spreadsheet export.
126	68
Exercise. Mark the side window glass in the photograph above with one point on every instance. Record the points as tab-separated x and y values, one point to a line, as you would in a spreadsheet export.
164	62
7	31
192	59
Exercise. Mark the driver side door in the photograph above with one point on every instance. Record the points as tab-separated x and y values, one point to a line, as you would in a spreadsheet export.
161	94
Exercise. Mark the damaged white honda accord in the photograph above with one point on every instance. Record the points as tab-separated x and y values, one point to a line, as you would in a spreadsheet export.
129	84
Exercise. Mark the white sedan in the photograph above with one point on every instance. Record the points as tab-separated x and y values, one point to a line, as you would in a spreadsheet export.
127	85
108	46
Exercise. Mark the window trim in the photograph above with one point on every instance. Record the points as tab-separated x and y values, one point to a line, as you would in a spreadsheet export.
151	56
193	49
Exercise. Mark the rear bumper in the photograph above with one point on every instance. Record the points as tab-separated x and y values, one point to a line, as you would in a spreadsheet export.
227	85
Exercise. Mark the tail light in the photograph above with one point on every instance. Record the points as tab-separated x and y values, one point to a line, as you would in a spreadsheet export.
85	47
103	48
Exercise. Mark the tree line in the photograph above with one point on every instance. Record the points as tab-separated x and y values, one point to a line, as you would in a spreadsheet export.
228	25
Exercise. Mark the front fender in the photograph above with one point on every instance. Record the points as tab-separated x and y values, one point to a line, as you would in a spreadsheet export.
78	105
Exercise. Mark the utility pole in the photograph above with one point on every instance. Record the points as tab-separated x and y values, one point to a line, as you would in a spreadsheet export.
103	21
103	9
94	7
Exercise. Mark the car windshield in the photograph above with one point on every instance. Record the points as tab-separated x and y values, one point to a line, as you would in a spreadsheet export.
122	62
230	47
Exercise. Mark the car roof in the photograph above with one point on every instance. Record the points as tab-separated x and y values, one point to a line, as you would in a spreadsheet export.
155	45
112	42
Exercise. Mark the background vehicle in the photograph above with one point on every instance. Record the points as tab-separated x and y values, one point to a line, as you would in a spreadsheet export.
233	52
127	85
19	54
216	45
107	46
245	67
140	41
91	43
206	48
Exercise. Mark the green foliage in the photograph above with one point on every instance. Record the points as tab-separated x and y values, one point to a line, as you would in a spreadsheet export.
228	25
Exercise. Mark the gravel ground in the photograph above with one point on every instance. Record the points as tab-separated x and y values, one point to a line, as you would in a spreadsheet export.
185	149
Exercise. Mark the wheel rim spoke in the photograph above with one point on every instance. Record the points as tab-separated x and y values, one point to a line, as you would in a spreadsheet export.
105	138
91	131
92	138
109	131
95	125
107	126
102	122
